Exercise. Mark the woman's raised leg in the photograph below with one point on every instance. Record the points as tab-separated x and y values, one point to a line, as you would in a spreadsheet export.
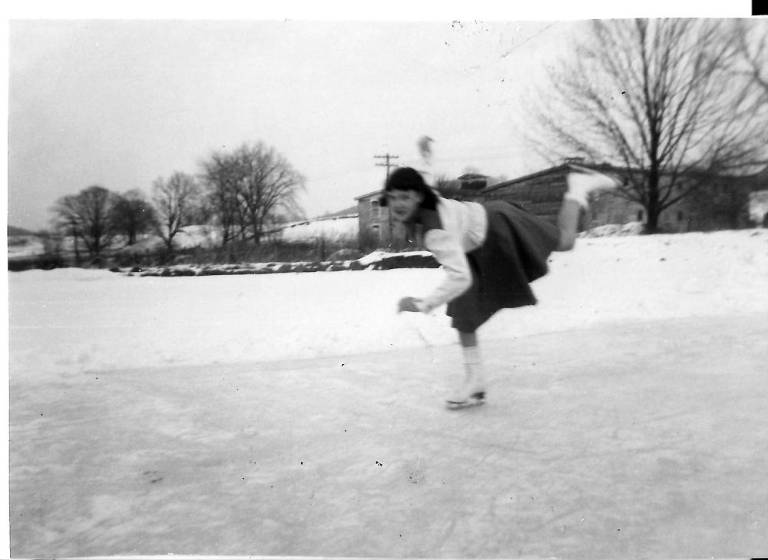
577	198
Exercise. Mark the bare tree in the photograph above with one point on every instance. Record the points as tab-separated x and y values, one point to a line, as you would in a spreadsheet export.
67	222
250	187
659	99
174	200
222	180
752	45
132	214
87	216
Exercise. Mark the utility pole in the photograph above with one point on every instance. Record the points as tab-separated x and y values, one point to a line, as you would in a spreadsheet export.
387	157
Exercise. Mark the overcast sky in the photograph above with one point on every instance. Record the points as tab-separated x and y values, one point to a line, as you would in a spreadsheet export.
121	102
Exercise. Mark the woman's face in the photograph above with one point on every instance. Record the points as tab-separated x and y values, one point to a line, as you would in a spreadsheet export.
403	205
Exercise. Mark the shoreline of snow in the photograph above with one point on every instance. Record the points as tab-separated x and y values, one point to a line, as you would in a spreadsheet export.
68	321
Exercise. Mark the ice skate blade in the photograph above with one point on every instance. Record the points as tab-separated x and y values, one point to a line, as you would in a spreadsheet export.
476	399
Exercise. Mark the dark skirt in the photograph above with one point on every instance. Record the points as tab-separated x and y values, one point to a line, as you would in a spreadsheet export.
514	254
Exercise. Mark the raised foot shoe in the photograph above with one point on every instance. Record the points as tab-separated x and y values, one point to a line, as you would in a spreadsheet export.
585	181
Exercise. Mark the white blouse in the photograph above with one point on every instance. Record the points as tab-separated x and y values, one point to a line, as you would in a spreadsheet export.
464	228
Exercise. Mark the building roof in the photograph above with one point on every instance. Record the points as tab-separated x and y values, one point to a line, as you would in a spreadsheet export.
377	192
556	170
338	214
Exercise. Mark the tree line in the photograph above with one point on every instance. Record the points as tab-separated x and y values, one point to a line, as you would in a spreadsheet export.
245	191
672	102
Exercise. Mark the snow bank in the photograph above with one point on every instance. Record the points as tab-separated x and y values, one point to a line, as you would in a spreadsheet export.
338	229
68	321
24	246
611	230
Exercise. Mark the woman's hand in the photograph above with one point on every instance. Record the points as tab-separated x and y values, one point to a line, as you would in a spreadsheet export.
408	304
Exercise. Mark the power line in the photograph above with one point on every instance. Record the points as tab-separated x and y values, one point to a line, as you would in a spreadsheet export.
387	157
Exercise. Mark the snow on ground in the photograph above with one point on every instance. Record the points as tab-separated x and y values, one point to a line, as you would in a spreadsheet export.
79	320
612	230
22	246
340	228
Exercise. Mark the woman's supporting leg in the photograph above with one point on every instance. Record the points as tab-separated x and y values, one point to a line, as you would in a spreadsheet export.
473	364
472	388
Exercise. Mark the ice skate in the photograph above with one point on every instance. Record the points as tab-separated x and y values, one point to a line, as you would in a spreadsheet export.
475	399
469	395
471	392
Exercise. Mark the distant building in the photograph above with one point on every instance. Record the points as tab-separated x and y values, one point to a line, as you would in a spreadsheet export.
540	192
719	202
469	186
376	229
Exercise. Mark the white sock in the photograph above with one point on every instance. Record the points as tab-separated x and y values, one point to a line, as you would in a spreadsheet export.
473	366
471	354
579	197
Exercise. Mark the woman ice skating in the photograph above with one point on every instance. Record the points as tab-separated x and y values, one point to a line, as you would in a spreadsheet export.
490	254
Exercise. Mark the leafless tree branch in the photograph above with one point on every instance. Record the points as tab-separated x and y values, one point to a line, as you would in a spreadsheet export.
663	98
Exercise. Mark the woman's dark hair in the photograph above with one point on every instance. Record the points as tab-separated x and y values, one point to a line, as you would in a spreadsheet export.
408	179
